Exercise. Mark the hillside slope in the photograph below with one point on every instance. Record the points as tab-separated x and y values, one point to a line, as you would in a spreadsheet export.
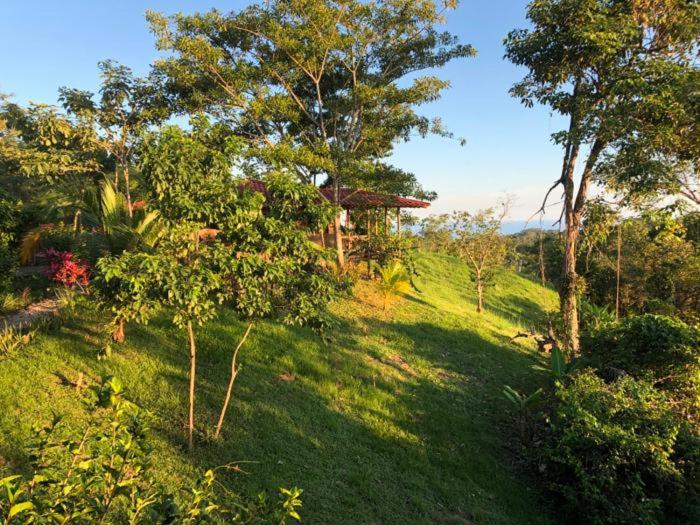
399	419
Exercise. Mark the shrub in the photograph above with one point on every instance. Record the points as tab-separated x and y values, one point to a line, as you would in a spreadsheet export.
9	217
103	475
664	348
385	248
65	269
617	453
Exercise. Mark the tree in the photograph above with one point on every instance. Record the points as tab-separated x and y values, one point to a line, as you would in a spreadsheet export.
227	245
613	68
477	239
320	87
182	275
127	106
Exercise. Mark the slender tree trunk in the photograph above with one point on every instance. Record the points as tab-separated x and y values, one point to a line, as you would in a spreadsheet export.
542	272
617	271
234	373
479	293
193	371
127	190
338	233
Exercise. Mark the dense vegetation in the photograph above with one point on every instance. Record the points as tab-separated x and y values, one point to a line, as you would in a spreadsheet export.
177	348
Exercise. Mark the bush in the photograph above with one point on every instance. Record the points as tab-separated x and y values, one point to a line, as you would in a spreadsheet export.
386	248
103	475
9	217
663	348
618	454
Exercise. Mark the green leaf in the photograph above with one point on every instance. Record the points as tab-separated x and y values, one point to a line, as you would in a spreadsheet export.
20	507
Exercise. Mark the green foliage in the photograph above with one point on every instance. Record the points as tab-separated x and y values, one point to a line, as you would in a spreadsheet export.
13	339
476	238
559	367
385	248
104	475
393	280
665	348
435	234
524	405
9	219
188	175
594	317
352	407
295	77
618	454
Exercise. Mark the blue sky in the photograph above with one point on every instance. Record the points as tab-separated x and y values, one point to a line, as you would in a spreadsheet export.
51	43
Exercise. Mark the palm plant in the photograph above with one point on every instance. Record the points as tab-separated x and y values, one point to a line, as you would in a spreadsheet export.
393	280
101	222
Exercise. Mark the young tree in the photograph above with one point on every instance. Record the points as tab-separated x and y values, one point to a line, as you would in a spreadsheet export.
613	68
246	251
323	87
180	274
477	239
127	106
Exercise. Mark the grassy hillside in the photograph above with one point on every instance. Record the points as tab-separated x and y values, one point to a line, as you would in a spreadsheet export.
400	419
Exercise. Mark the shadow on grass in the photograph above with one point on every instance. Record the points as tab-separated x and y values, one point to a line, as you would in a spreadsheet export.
369	436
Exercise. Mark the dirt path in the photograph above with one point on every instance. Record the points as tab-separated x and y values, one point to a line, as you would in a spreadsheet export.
30	315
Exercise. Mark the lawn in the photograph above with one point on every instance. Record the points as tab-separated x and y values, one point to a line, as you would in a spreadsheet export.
398	419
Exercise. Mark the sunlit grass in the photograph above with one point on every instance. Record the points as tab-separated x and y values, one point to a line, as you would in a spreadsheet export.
400	419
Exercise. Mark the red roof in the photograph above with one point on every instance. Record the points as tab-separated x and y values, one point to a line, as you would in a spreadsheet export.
353	199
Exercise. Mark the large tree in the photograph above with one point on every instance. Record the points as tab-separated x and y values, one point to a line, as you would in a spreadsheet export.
320	87
613	68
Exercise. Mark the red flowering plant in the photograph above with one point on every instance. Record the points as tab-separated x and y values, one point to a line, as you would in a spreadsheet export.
66	269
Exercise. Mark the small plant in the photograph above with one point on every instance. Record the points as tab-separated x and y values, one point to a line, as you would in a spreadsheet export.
524	405
66	270
559	367
103	475
13	339
393	280
594	317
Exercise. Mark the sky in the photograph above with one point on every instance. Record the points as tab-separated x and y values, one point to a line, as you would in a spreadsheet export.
508	151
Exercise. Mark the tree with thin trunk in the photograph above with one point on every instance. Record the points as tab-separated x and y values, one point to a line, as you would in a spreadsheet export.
180	275
621	72
126	107
319	87
477	239
226	246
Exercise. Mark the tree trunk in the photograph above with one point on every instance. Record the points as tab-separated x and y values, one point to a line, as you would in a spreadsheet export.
234	373
338	233
479	294
617	271
567	291
127	190
193	370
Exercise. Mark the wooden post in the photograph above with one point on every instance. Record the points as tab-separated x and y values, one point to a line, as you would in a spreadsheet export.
369	224
376	222
386	219
398	222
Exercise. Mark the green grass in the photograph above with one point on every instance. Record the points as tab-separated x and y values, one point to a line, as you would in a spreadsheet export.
400	419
